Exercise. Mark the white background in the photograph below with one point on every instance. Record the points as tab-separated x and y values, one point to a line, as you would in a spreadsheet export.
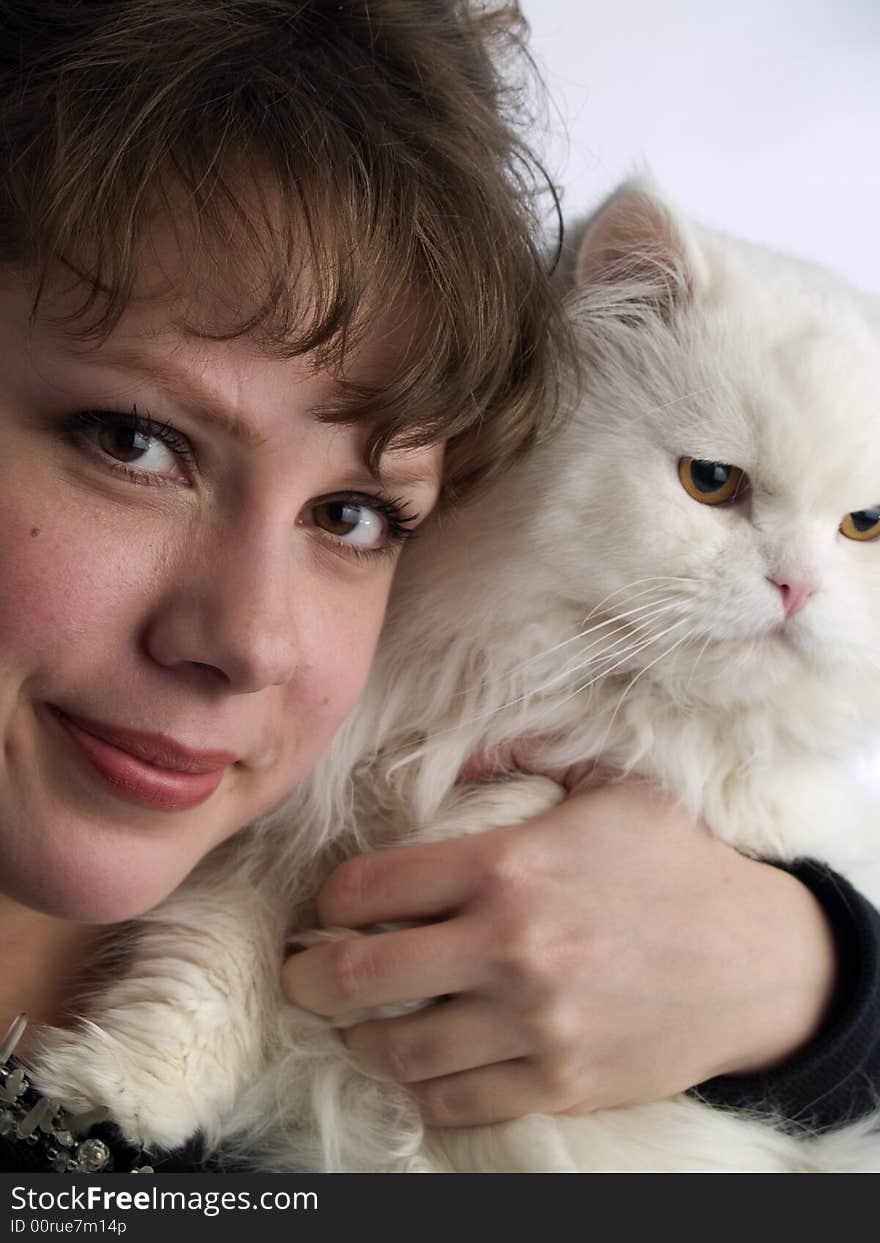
757	118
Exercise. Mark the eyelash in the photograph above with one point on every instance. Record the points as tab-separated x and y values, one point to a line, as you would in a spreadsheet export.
142	425
392	509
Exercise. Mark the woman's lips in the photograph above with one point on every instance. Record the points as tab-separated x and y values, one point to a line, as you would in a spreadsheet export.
148	769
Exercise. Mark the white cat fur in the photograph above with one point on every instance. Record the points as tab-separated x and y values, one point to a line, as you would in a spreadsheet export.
590	602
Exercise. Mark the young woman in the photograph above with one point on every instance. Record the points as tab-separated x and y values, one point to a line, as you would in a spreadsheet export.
272	290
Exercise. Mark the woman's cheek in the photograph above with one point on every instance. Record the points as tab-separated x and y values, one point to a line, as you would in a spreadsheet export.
63	588
44	586
337	653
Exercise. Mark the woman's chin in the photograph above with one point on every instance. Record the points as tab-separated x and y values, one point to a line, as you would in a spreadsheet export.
103	891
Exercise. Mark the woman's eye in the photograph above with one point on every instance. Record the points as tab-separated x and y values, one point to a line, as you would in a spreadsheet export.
366	524
863	524
135	441
711	483
351	521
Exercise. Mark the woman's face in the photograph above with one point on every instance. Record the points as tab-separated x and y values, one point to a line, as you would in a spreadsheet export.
193	574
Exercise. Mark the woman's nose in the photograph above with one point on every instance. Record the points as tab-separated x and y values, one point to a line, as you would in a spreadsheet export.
228	609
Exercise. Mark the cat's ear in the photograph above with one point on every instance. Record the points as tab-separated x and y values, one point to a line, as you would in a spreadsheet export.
636	238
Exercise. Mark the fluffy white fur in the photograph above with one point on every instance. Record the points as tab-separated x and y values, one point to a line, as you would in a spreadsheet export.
588	601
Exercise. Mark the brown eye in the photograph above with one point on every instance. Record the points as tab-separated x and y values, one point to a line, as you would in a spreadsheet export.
711	483
125	444
337	517
864	524
352	520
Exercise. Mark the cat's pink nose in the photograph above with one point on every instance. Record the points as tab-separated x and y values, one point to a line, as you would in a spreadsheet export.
795	592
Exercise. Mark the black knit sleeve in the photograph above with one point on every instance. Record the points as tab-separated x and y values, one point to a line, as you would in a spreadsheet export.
836	1077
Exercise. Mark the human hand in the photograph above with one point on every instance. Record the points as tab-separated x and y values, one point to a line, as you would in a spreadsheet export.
607	952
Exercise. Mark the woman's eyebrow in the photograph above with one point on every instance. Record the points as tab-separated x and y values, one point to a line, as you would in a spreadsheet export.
205	404
204	401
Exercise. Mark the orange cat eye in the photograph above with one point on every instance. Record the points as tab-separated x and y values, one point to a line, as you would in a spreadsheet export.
863	524
711	483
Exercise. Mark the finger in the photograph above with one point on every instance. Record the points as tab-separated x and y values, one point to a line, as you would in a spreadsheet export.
526	755
490	1094
359	972
588	776
410	882
457	1035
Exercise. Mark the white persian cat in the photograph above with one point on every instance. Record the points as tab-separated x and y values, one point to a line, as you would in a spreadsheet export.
685	582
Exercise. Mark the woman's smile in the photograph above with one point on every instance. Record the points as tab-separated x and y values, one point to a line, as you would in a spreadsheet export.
149	770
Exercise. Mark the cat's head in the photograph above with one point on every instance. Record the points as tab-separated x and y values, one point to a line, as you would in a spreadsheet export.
726	465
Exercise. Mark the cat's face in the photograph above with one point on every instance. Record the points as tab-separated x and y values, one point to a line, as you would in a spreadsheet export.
726	472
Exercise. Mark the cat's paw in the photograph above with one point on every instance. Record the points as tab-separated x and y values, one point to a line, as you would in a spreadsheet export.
145	1092
164	1075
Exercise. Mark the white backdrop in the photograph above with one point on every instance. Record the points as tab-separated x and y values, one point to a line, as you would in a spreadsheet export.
757	116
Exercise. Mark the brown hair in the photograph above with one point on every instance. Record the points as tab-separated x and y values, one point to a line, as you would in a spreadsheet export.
375	145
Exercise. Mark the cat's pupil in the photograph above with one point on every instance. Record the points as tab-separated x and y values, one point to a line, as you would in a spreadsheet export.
864	519
709	476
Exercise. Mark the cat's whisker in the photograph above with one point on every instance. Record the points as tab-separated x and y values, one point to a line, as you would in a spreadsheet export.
628	631
700	653
579	663
615	660
640	609
627	655
635	628
625	623
678	401
659	578
643	612
682	639
581	634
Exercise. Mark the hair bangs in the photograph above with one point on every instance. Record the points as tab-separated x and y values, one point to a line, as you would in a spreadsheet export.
317	164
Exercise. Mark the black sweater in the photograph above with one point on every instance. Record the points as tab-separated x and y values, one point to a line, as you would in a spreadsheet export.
836	1078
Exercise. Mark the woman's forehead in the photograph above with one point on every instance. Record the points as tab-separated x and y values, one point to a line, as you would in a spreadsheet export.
185	309
214	287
